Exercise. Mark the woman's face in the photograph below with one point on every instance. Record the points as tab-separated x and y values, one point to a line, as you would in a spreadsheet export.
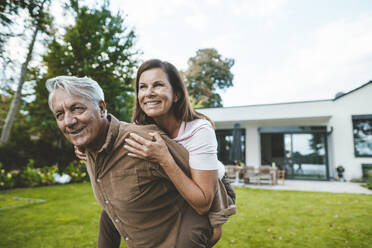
155	94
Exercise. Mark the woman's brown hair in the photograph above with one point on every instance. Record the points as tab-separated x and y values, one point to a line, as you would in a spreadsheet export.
182	109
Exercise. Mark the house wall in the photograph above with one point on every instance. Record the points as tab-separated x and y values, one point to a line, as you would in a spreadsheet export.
334	114
355	103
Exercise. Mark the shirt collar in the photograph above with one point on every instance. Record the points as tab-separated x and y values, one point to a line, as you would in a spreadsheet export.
112	133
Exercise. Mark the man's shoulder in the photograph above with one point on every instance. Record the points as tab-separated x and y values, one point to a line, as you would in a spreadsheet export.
126	127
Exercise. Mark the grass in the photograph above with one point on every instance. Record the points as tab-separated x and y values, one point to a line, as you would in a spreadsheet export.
69	218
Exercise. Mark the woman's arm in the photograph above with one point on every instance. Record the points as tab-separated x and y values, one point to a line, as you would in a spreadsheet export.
198	191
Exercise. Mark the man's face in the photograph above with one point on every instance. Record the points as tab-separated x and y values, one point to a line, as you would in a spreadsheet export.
79	119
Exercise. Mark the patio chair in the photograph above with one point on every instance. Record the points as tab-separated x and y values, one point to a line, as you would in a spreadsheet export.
267	174
230	172
250	175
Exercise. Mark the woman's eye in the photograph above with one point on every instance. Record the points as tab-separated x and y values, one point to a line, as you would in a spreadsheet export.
142	86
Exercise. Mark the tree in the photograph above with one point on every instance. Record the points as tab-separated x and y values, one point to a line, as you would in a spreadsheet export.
98	45
9	8
207	72
39	22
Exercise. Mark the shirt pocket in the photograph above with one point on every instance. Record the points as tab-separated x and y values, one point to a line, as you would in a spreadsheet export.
125	184
145	179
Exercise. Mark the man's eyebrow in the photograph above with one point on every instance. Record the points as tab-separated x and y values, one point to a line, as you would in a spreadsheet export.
74	104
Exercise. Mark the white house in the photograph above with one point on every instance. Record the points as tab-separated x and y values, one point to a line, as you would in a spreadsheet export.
308	139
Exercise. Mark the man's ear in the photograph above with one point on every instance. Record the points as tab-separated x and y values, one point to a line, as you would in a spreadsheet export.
102	108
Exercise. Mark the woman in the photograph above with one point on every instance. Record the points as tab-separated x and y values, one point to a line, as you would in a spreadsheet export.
162	99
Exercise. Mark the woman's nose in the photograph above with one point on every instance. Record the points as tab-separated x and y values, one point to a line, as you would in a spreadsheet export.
150	91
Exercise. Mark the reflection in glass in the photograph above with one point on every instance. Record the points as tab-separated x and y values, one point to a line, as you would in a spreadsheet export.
362	131
225	140
305	155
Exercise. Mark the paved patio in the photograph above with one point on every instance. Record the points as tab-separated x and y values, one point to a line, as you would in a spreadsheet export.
317	186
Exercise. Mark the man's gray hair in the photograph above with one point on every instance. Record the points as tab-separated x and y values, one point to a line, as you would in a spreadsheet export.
76	86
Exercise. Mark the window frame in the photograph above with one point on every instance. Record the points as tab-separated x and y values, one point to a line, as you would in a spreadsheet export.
358	118
228	132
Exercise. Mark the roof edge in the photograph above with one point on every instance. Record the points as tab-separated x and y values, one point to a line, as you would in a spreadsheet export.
296	102
351	91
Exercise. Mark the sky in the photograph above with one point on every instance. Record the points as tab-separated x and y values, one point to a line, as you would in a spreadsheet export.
284	50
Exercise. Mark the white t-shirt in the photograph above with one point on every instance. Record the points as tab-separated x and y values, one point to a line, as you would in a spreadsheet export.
199	139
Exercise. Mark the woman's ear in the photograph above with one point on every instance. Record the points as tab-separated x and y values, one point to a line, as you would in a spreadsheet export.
176	97
102	108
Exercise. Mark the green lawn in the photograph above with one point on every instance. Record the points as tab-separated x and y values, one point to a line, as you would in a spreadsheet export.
69	218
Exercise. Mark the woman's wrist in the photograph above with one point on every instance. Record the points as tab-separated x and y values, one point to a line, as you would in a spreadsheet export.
167	161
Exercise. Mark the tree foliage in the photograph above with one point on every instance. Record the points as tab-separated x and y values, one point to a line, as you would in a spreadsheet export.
39	21
207	72
98	45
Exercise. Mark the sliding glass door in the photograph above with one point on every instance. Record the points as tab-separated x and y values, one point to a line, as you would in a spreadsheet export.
305	156
300	151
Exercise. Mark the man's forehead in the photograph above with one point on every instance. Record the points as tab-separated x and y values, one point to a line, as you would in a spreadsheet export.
61	97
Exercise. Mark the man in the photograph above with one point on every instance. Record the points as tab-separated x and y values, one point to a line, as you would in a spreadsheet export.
138	200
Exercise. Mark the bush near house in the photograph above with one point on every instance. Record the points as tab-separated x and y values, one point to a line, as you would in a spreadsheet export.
369	183
77	171
33	177
7	179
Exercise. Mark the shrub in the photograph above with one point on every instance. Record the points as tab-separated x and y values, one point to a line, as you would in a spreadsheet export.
7	179
31	176
77	171
47	174
369	183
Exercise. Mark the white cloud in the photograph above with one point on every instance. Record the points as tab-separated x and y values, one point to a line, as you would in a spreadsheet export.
227	44
256	8
337	59
198	21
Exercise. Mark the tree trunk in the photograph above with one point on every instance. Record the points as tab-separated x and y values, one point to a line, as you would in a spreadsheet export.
17	96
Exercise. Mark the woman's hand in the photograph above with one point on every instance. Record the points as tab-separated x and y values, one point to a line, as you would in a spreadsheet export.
198	191
81	155
154	150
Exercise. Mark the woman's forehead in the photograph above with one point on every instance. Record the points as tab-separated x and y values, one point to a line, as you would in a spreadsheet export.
152	75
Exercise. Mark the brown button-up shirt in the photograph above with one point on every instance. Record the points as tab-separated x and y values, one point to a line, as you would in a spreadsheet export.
140	199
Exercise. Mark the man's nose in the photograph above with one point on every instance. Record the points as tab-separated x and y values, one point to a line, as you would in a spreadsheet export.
70	119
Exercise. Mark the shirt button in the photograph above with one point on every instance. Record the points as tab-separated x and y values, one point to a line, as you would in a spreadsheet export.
106	201
116	220
98	180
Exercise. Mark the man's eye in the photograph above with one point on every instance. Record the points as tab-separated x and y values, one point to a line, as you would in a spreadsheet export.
58	116
77	109
142	86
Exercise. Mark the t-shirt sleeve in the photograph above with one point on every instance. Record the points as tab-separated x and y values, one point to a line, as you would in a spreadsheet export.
203	149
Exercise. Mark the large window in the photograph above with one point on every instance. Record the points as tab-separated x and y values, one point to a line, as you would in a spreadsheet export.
225	141
362	131
300	150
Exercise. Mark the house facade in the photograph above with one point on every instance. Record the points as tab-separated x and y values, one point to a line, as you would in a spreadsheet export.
308	140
